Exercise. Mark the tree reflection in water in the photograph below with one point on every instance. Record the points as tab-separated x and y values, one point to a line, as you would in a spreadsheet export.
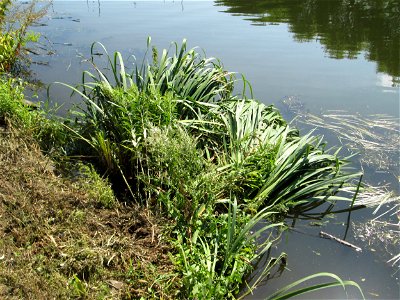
344	27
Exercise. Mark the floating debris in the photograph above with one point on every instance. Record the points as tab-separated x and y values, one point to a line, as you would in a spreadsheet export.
64	44
373	196
39	25
41	63
340	241
376	137
60	17
293	104
384	230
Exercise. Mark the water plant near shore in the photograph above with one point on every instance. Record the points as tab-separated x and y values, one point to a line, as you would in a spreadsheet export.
213	237
163	134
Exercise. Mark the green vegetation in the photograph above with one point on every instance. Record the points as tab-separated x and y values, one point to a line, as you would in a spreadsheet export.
164	133
14	35
204	179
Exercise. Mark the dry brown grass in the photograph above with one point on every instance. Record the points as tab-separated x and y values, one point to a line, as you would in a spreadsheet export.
56	243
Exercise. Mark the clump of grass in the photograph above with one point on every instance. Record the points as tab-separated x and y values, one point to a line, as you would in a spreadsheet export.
172	137
220	252
98	187
12	108
38	122
177	176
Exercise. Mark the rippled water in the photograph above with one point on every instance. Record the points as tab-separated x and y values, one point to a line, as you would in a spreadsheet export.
340	55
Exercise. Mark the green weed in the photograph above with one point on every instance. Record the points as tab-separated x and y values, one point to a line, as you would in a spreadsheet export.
15	19
215	164
172	138
40	122
98	187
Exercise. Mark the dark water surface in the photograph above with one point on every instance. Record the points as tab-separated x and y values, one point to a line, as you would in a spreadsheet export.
329	55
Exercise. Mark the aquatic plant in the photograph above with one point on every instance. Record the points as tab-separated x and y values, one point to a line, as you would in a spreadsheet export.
221	251
165	131
287	292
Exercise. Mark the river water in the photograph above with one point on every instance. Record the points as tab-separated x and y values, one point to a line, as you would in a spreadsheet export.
319	56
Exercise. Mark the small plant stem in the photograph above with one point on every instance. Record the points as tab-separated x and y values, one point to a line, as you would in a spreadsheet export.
351	207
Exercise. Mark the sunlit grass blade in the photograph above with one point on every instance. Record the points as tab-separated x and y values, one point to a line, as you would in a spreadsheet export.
286	293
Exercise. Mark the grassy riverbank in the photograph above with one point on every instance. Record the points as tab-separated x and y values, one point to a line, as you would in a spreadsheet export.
68	237
195	169
59	242
162	183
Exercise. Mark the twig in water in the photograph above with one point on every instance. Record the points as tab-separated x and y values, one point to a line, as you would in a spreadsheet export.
329	236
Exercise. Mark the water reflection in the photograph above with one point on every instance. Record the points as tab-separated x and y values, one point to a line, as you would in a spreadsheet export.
344	27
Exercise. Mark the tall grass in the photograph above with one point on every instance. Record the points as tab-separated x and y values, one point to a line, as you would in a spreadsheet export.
214	264
15	19
171	135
